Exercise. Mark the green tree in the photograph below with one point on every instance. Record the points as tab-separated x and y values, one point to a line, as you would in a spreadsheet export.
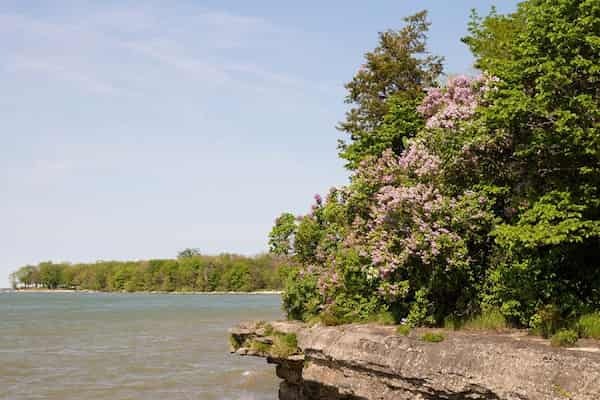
281	236
546	109
50	275
187	253
399	67
27	275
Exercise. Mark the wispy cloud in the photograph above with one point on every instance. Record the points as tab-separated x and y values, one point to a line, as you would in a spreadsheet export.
62	71
125	51
171	54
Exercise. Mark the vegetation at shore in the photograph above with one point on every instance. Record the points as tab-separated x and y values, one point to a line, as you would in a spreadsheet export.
190	271
473	201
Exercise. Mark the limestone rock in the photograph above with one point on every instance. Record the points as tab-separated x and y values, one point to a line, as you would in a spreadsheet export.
363	362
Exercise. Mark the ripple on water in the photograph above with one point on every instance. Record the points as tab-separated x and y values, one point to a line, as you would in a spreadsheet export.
98	347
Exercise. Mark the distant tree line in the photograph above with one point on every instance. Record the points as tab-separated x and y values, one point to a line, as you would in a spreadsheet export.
189	272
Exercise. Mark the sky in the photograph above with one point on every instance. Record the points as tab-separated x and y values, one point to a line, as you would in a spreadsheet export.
135	129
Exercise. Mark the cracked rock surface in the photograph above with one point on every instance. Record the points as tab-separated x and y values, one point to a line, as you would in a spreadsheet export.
360	362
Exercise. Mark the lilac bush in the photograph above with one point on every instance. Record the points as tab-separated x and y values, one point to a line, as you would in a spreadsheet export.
447	107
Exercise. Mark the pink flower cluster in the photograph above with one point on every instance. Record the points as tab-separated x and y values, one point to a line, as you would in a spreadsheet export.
446	107
411	224
403	219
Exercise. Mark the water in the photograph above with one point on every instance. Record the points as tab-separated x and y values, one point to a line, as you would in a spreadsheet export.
130	346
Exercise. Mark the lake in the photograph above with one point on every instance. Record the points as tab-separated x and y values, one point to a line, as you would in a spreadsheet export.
130	346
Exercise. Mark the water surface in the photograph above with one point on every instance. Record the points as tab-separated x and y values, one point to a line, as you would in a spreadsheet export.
130	346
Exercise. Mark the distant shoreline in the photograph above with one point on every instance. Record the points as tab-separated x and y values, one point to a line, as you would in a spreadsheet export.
256	292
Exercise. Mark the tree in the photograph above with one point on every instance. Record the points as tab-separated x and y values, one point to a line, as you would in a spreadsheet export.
189	252
546	109
398	68
281	236
50	275
27	275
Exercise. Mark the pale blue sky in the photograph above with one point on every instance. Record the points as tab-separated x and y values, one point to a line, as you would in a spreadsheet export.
132	130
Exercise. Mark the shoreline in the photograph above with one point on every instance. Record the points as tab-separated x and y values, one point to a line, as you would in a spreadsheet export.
257	292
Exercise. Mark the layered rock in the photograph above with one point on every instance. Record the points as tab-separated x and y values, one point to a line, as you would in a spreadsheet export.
360	362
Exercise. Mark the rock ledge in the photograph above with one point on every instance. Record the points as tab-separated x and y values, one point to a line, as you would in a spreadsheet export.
363	362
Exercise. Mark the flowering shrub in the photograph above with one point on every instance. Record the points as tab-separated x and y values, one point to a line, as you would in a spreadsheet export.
447	107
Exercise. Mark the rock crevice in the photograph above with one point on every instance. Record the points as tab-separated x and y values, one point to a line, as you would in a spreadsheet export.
364	362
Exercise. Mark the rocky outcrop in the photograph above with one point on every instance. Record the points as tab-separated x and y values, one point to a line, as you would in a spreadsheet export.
360	362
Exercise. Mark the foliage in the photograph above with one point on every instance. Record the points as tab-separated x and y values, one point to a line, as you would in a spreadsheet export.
588	326
226	272
546	105
282	235
564	338
432	337
477	203
301	299
187	253
386	89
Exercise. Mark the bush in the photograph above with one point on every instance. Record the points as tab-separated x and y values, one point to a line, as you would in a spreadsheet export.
301	298
546	321
588	326
564	338
432	337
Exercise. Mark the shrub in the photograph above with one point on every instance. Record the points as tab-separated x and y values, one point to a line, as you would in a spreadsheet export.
546	321
564	338
589	326
432	337
301	298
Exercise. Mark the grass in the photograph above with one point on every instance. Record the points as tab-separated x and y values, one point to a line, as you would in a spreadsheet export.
561	392
403	330
432	337
327	318
383	318
268	329
491	320
284	344
260	347
588	326
564	338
